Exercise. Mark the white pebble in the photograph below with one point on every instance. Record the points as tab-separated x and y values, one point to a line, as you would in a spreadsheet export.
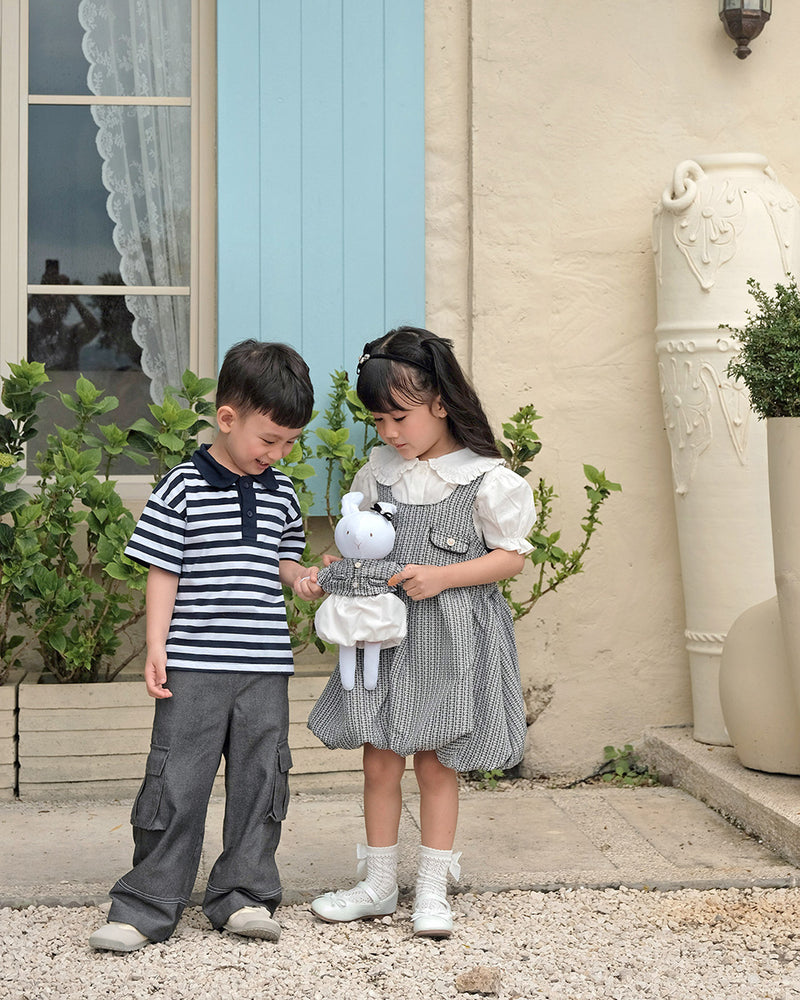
582	944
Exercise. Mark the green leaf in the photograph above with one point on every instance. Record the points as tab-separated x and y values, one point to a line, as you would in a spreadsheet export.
332	438
143	425
12	500
183	420
58	641
170	441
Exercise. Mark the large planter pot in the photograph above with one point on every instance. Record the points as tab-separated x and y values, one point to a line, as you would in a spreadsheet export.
756	692
783	436
722	220
760	670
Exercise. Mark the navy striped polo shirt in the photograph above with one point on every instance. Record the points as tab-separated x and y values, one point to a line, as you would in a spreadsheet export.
223	535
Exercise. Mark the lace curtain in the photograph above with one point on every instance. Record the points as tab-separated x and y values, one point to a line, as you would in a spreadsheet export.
142	48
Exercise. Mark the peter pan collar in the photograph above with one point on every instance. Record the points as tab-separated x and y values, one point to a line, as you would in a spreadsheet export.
458	467
220	478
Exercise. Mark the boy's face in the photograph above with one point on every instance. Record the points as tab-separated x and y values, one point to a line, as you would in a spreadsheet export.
250	443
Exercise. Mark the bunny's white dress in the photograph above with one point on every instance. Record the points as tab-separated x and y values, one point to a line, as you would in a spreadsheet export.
452	685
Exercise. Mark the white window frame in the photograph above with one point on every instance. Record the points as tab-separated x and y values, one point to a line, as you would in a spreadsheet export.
14	104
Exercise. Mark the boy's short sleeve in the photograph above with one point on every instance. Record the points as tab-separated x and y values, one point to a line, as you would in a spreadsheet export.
159	536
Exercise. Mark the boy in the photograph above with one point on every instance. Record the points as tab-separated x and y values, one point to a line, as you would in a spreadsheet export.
220	534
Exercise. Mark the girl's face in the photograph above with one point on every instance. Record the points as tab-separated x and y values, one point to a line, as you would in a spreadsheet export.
419	430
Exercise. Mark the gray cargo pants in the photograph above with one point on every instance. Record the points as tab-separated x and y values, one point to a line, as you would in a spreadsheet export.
245	718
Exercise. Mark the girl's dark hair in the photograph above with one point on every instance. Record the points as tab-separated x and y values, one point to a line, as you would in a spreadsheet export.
266	378
417	366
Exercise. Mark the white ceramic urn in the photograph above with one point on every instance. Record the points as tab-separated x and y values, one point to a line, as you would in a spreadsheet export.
721	220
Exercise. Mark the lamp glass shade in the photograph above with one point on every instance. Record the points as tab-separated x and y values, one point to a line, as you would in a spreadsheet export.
749	5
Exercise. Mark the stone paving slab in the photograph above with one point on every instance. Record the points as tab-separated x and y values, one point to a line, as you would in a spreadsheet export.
517	836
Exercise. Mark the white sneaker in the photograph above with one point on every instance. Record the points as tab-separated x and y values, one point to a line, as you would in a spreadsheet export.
114	936
254	922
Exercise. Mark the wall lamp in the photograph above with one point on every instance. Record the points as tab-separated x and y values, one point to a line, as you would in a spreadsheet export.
743	20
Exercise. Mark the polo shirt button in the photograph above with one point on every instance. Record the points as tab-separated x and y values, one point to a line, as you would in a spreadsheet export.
249	513
245	482
451	541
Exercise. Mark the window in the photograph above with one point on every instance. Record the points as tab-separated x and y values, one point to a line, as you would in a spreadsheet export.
107	197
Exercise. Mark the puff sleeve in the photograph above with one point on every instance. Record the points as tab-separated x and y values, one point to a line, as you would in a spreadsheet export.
505	511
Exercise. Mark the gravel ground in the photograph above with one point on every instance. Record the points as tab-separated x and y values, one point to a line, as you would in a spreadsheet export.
616	944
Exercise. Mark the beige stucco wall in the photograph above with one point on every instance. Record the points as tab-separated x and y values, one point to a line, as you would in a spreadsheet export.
551	131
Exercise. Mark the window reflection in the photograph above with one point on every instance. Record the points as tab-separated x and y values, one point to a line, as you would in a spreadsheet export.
67	216
56	64
109	194
74	332
78	334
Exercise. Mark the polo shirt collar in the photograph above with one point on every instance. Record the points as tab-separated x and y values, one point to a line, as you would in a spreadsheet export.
220	478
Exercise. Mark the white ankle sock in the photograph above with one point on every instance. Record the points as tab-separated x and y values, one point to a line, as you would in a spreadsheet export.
431	888
378	866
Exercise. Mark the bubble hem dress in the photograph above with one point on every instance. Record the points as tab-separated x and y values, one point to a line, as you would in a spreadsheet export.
452	685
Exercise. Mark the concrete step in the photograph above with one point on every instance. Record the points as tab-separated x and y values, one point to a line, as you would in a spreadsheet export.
766	806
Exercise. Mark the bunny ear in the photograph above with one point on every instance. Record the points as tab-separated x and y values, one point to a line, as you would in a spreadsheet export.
350	502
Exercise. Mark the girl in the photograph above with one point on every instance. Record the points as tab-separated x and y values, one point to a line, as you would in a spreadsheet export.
450	693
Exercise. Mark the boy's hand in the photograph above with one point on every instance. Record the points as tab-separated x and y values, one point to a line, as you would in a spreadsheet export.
155	674
420	582
305	584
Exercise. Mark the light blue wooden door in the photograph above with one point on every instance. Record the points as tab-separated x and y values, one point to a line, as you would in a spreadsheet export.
321	174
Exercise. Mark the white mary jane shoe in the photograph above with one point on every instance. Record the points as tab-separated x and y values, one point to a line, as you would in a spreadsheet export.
115	936
335	908
432	918
254	922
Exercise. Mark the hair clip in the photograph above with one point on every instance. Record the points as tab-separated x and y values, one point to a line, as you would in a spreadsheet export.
392	357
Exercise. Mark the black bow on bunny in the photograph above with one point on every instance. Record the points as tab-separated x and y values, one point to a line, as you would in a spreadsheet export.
378	508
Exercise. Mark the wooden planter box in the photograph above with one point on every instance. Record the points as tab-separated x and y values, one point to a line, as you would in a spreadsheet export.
309	756
79	741
82	740
8	735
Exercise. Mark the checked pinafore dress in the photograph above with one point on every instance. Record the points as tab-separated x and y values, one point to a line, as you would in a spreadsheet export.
453	684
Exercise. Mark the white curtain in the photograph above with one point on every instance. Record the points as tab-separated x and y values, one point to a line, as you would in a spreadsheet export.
142	48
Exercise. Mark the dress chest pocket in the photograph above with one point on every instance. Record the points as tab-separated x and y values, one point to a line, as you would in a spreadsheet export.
449	542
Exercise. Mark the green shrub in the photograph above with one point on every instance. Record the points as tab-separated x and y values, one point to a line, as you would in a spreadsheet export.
68	591
768	362
66	587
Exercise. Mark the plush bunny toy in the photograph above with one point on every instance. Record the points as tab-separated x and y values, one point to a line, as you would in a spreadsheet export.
361	611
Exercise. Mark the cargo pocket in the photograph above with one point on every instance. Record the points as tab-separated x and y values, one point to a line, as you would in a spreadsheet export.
278	806
148	802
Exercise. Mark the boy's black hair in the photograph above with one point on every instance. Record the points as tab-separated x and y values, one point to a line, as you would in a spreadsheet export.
411	365
266	378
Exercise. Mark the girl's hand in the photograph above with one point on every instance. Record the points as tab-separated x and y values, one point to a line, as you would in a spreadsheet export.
305	585
328	559
420	582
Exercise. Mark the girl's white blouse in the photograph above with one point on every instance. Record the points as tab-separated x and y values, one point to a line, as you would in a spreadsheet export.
504	511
